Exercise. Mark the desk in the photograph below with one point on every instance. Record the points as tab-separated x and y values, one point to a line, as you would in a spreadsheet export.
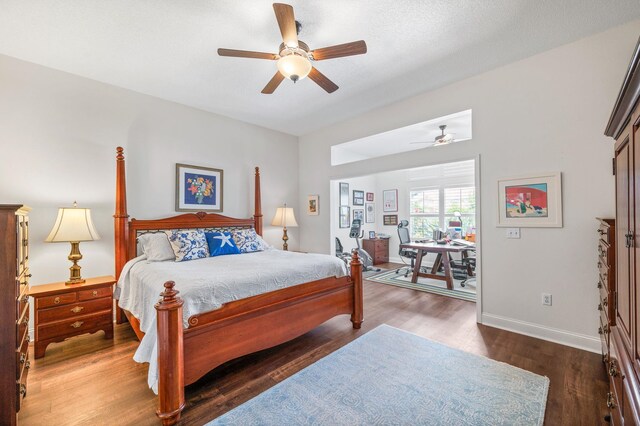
442	250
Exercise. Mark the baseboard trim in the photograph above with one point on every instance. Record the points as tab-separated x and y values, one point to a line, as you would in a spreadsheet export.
563	337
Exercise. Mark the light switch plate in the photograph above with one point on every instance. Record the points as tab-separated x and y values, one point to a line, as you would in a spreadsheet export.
513	232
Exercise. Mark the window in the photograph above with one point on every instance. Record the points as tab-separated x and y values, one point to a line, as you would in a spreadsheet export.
424	212
434	208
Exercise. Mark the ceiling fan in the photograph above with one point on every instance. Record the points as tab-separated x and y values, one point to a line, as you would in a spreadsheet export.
294	57
442	139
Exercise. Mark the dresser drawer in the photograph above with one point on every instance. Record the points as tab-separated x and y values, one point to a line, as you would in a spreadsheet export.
603	307
74	326
22	300
62	299
22	324
22	354
21	387
604	331
604	231
95	294
74	310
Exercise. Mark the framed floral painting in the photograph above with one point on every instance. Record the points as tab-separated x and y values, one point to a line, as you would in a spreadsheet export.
198	189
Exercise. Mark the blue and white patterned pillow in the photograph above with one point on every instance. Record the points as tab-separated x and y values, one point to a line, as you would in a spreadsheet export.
248	241
188	244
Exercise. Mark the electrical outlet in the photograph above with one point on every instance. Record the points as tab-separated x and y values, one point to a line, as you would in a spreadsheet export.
513	232
546	299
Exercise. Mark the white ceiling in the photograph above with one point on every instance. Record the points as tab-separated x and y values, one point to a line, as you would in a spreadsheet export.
167	48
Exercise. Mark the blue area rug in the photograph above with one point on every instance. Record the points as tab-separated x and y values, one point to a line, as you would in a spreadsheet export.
392	377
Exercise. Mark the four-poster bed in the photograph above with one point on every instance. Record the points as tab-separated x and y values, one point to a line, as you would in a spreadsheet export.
237	328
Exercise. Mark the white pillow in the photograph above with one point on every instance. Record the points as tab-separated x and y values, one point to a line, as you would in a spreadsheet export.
156	247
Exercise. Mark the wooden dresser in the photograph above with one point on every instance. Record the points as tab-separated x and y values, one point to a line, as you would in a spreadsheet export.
378	249
623	363
606	282
14	310
62	311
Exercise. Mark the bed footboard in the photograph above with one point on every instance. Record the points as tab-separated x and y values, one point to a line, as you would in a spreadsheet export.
243	327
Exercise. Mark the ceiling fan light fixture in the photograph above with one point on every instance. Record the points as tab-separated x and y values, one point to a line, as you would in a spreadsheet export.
294	66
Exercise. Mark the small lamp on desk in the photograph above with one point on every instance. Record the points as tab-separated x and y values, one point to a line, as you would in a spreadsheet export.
73	225
284	217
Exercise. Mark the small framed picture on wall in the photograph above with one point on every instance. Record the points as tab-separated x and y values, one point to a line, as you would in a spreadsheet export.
390	219
370	213
313	208
344	194
369	196
372	235
358	198
390	200
358	214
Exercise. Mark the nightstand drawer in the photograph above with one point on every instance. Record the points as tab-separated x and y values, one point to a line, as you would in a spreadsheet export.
74	310
95	294
74	326
49	301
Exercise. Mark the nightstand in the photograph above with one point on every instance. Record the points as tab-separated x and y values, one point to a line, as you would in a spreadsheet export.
63	311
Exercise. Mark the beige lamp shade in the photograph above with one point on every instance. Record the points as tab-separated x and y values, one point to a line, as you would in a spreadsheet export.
284	217
73	225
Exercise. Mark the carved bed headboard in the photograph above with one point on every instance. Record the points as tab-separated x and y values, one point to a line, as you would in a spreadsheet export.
127	231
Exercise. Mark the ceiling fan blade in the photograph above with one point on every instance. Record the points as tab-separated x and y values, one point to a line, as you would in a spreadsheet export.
287	24
322	81
340	50
411	143
247	54
273	84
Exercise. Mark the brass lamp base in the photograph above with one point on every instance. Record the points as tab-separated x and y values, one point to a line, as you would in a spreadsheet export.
285	238
75	256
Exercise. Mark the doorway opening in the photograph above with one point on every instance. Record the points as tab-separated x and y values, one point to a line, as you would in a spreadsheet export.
405	214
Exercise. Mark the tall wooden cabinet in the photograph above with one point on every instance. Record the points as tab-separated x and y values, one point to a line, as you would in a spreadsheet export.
623	363
14	309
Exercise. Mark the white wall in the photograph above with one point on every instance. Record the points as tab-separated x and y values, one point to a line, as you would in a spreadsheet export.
59	133
540	114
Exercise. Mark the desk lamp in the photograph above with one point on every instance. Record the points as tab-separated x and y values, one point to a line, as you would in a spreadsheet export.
73	225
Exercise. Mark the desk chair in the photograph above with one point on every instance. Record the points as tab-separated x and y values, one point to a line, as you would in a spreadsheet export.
470	264
405	238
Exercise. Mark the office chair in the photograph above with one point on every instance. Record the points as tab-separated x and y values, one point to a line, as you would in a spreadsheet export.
470	264
405	238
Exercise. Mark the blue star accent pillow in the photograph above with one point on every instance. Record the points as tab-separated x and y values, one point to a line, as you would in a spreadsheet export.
221	243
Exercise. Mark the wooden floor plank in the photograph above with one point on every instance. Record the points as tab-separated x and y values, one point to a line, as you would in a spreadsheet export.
93	381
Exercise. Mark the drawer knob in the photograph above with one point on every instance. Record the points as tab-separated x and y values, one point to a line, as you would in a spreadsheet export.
23	358
610	403
599	306
601	232
77	309
599	284
56	300
25	321
29	275
23	390
77	324
605	302
600	330
94	293
28	365
25	298
599	264
613	371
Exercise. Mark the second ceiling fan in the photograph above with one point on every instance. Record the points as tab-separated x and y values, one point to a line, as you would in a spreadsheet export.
294	57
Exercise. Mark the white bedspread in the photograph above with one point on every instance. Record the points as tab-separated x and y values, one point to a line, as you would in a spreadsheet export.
207	284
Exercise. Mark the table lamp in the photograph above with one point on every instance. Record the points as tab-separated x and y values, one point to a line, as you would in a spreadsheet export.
73	225
284	217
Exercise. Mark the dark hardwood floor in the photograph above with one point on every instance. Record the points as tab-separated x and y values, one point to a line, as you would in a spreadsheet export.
92	381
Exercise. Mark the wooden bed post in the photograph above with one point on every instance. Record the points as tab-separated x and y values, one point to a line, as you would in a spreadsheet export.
121	223
257	216
170	356
356	276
